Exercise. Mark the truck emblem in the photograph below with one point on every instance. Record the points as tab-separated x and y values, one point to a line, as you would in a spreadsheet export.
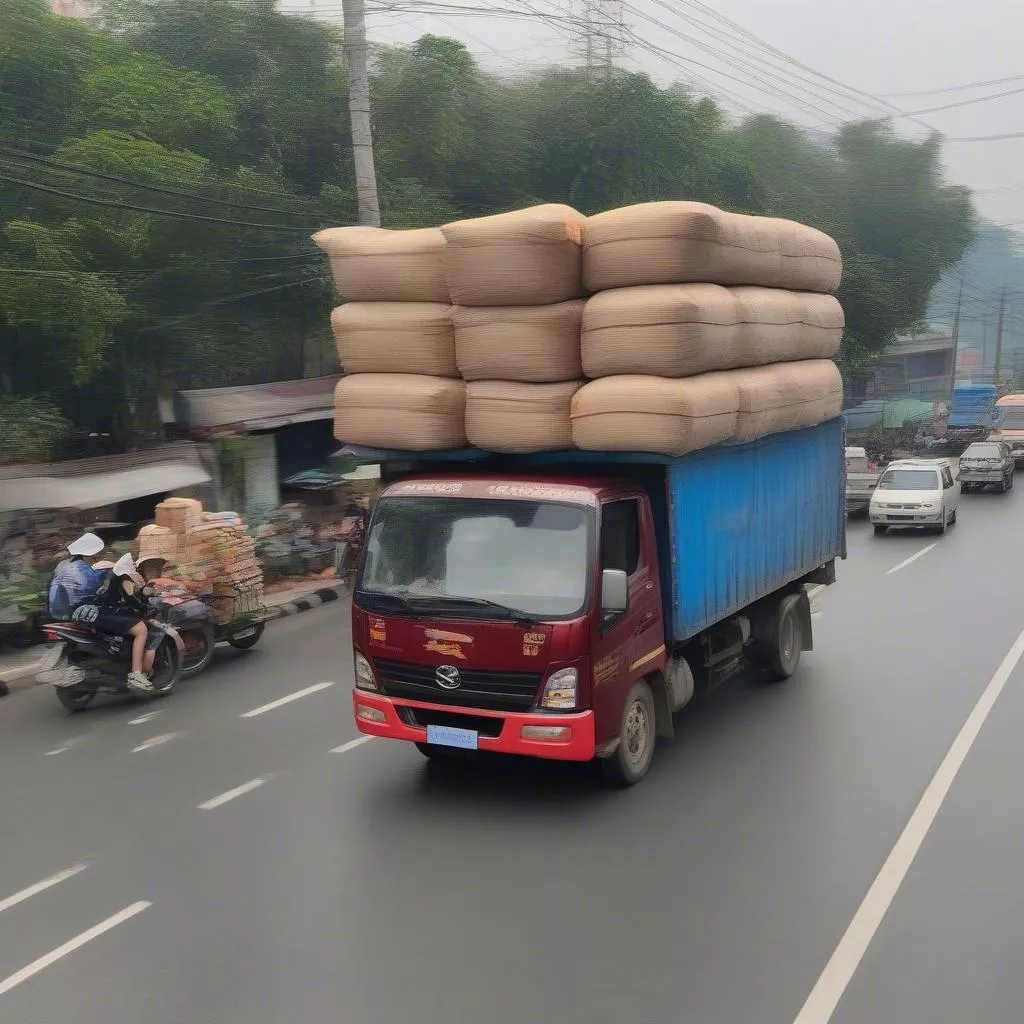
448	677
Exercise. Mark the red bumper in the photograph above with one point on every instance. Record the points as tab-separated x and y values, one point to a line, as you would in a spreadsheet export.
578	745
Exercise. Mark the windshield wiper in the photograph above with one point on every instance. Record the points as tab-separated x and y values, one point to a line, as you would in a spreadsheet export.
379	595
478	602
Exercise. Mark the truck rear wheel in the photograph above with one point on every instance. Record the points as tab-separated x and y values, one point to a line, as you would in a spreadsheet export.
787	643
635	751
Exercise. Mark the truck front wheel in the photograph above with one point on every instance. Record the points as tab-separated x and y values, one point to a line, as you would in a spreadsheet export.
635	750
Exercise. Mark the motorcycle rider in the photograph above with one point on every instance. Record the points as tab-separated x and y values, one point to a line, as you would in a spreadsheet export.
120	606
74	583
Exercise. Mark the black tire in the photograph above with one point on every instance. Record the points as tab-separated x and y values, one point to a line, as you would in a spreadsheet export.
952	518
75	698
166	669
787	642
199	645
244	642
880	528
637	732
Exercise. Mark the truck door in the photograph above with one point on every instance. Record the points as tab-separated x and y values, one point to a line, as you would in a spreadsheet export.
628	646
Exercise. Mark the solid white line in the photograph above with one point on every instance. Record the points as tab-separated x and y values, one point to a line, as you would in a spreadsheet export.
61	876
352	744
285	700
156	741
829	989
913	558
69	947
246	787
142	719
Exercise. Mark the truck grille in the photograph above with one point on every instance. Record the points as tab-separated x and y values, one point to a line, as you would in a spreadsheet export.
498	691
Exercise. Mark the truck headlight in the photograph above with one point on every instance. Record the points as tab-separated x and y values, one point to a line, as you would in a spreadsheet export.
560	690
365	679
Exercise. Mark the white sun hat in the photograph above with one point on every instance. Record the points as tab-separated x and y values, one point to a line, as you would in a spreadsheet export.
124	566
87	544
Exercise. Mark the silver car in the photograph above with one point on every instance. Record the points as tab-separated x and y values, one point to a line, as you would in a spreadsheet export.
987	463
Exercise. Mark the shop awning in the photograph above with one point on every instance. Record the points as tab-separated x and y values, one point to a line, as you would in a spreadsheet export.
95	490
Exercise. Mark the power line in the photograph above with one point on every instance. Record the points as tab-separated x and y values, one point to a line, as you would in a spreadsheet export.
32	158
954	88
149	209
962	103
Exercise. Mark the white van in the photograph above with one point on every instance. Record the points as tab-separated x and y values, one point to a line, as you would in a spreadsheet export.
916	492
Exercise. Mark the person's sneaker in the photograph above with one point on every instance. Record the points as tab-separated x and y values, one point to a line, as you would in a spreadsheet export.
140	682
66	675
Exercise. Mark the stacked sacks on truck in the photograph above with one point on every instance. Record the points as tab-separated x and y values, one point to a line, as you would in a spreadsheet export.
395	339
706	326
517	283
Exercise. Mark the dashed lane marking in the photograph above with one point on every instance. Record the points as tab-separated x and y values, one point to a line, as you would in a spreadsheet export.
913	558
352	744
231	794
156	741
281	701
46	883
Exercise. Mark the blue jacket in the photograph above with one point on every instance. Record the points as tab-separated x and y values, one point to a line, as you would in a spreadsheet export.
74	583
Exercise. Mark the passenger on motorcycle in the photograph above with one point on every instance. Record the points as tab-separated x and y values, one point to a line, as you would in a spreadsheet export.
120	606
75	581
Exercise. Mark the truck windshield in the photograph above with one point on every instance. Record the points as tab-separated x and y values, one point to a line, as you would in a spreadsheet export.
910	480
472	556
1013	416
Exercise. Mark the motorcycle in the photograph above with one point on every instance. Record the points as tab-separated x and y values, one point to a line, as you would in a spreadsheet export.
105	660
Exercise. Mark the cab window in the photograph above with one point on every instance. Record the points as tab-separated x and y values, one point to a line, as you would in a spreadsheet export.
620	536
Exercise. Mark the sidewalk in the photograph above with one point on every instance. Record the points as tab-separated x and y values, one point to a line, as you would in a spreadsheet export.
18	668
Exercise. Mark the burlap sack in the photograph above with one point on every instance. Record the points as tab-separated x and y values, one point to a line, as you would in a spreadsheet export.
679	242
654	414
512	417
519	343
786	396
378	265
686	329
395	337
525	258
400	410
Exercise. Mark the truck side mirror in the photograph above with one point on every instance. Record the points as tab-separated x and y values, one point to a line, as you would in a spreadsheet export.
614	592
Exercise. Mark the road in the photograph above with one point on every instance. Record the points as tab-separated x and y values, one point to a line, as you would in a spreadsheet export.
229	855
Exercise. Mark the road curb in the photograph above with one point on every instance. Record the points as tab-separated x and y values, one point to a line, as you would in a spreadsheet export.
24	677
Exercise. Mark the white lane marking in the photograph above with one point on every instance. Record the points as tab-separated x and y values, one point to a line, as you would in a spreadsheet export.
69	947
815	590
245	787
66	745
352	744
913	558
280	702
156	741
142	719
61	876
829	988
816	615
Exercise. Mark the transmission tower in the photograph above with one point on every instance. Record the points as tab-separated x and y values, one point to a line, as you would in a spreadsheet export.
599	33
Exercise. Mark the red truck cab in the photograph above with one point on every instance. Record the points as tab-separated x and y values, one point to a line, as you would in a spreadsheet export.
512	614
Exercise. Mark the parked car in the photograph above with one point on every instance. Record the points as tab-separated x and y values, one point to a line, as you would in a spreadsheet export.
916	492
861	481
987	462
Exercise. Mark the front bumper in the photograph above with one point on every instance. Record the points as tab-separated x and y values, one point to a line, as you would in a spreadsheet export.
858	502
915	517
578	746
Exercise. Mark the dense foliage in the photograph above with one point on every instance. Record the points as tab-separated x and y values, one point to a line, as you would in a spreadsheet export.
160	176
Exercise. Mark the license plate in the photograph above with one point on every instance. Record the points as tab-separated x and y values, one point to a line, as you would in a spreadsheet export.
902	519
449	736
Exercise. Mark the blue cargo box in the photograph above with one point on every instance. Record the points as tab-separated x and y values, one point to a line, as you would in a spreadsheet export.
735	522
745	520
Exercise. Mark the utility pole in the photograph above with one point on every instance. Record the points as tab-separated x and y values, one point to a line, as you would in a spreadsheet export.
956	337
999	337
359	111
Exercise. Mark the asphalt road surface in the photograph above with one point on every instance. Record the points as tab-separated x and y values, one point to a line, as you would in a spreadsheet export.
233	855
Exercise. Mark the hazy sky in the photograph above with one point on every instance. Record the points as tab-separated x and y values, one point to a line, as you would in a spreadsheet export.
882	47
